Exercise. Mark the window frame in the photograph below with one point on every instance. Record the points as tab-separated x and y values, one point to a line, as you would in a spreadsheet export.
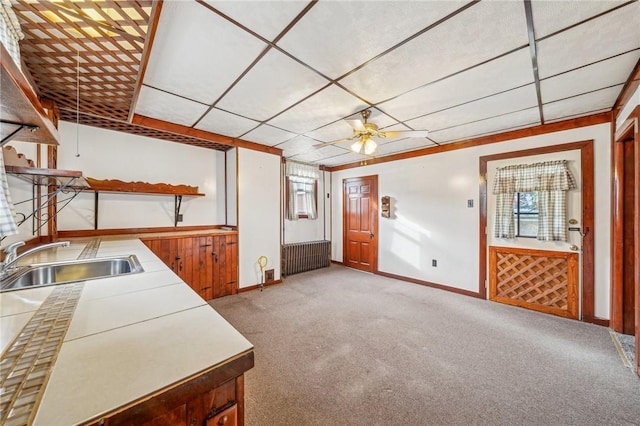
288	193
517	214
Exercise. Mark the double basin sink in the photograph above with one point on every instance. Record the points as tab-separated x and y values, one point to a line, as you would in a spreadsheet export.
64	272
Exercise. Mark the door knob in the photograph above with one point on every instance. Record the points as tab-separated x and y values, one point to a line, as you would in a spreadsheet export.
370	234
574	247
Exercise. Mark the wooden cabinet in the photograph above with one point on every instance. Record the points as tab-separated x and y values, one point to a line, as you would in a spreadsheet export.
207	263
215	398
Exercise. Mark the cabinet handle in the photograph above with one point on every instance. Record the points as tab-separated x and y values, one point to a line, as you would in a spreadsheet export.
180	266
215	255
223	420
178	257
173	266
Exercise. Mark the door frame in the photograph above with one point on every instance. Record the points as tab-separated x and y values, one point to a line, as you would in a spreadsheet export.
629	129
374	224
588	223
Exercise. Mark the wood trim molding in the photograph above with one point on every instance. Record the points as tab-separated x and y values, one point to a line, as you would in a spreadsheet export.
129	231
588	220
257	286
430	284
573	123
156	9
178	129
632	84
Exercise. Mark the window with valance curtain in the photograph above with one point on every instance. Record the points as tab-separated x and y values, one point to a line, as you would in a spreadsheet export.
301	182
551	180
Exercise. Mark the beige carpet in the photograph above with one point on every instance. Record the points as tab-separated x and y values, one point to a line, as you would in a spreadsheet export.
340	347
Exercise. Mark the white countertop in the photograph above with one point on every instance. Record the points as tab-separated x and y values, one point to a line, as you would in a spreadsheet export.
130	336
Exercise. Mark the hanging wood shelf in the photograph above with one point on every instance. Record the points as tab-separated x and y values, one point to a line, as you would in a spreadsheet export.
22	117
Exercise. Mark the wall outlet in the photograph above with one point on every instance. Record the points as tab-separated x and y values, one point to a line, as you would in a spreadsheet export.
434	263
180	217
269	276
469	203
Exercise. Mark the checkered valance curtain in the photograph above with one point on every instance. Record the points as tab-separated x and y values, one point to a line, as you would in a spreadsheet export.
552	180
7	211
10	33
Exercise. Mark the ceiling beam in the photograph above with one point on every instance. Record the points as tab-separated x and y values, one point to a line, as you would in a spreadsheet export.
178	129
146	53
534	55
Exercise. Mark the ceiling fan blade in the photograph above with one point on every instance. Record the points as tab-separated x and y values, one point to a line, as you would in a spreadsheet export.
320	145
404	134
356	124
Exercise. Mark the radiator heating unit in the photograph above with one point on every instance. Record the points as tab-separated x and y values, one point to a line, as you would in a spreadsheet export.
300	257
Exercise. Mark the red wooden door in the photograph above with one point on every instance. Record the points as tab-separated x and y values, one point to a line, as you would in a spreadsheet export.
360	223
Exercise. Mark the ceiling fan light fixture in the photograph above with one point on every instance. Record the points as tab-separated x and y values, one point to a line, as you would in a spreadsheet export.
370	146
357	146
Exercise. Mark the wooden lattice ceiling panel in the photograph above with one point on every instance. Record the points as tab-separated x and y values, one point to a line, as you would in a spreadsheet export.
97	43
121	126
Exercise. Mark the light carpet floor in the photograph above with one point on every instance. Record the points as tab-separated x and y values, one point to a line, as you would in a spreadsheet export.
337	346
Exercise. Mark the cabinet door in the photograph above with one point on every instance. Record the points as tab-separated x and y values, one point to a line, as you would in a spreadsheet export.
203	278
225	265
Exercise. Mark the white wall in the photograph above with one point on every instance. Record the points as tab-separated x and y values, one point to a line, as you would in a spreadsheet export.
232	187
301	230
106	154
431	219
258	214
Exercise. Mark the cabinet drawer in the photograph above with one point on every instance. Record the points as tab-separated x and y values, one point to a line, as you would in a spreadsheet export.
227	417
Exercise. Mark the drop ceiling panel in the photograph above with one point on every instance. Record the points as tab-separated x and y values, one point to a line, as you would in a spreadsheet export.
350	157
273	84
188	57
397	146
601	74
329	105
297	145
225	123
358	31
526	118
606	36
583	104
167	107
268	135
267	18
332	132
504	103
496	76
319	154
552	16
437	53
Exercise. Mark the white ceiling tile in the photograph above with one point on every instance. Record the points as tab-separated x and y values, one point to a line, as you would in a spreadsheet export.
403	145
586	103
552	16
225	123
188	58
319	154
529	117
462	41
504	103
167	107
496	76
268	135
609	35
297	145
329	105
334	131
598	111
267	18
602	74
273	84
358	31
350	157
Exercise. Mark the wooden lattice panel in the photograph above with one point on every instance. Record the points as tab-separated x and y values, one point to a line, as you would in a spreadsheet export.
108	36
545	281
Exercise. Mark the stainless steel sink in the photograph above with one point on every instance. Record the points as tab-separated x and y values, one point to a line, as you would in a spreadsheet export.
43	274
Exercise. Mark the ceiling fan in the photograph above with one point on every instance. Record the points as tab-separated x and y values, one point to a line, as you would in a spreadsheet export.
365	132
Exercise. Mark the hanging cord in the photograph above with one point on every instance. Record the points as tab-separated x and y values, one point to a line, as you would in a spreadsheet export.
262	262
78	103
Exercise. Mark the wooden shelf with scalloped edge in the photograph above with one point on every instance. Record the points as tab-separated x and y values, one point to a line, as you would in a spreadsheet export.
22	117
115	185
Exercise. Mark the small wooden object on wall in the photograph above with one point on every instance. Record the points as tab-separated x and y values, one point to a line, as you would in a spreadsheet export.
385	207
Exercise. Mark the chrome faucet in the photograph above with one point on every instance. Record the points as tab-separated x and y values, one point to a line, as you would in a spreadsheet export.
11	256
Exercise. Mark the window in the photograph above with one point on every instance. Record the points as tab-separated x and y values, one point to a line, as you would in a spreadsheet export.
302	198
525	214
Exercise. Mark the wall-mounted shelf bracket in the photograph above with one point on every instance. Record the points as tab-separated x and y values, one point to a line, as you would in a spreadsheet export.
18	128
177	205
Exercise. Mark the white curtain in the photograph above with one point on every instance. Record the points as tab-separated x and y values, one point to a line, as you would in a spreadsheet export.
552	180
7	211
10	33
302	179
